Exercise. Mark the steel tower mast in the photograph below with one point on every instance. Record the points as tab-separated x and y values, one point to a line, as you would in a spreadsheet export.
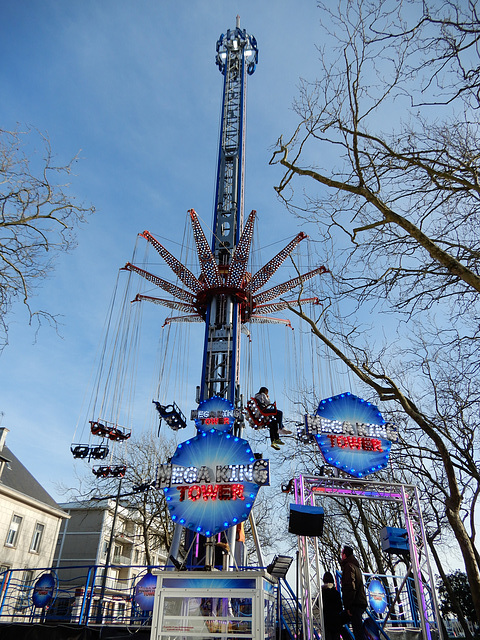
237	56
224	295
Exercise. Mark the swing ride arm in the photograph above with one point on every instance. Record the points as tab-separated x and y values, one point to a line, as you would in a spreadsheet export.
266	272
208	265
168	321
274	292
280	306
186	296
175	265
238	266
268	320
171	304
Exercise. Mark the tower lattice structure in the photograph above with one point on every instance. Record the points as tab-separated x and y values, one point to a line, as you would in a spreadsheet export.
225	295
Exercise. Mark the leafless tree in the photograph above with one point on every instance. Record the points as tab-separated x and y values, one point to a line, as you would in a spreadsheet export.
38	219
141	458
271	536
389	140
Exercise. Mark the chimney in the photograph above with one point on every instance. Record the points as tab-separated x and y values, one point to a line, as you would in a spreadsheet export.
3	436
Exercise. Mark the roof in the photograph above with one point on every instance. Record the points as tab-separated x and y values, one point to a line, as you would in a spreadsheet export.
102	504
87	505
17	477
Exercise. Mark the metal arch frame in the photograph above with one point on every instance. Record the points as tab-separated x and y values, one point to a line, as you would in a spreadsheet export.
307	488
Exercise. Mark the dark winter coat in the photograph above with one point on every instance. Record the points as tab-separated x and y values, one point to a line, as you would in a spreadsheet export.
332	608
353	588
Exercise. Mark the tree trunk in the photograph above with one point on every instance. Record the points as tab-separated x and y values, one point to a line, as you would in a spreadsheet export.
468	554
451	593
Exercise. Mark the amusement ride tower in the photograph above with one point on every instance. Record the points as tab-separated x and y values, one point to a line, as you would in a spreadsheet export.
212	480
225	295
237	56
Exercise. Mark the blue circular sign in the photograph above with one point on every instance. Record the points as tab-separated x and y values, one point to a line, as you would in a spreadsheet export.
215	413
377	596
213	480
43	590
145	592
352	434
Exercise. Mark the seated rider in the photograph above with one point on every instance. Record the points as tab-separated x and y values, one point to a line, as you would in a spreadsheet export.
276	424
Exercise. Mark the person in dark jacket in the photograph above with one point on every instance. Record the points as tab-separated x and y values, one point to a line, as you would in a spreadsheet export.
353	591
332	608
276	423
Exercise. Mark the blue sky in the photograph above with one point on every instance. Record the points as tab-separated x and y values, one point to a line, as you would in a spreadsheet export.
131	87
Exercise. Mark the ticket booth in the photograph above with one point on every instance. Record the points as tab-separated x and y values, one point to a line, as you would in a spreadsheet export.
193	605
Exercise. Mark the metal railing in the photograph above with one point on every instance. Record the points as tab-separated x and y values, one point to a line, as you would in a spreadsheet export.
74	596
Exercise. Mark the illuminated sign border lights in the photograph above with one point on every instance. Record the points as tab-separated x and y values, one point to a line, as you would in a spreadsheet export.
215	413
342	455
208	583
352	434
205	492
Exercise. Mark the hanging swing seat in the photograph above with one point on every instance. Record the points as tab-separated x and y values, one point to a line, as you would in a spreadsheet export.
256	414
109	430
110	472
80	450
172	415
99	452
83	451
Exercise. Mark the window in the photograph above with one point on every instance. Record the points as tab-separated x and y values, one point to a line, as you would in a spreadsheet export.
28	578
37	537
120	613
12	535
61	609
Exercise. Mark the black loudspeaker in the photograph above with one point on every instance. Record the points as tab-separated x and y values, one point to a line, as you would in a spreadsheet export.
305	520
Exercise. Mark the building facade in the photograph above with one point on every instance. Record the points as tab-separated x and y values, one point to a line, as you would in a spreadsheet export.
29	517
99	533
29	524
85	538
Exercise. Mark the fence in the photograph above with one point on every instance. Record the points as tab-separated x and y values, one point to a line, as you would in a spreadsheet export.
84	595
76	594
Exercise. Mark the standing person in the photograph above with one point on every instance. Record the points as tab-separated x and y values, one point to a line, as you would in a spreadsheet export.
276	424
332	608
353	591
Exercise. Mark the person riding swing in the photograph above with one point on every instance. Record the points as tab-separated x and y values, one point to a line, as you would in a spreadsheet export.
276	422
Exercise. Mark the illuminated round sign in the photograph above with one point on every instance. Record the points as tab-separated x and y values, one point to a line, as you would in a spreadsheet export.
215	413
377	596
212	481
43	590
351	434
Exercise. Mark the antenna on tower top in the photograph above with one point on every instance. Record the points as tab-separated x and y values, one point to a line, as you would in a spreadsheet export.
238	21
